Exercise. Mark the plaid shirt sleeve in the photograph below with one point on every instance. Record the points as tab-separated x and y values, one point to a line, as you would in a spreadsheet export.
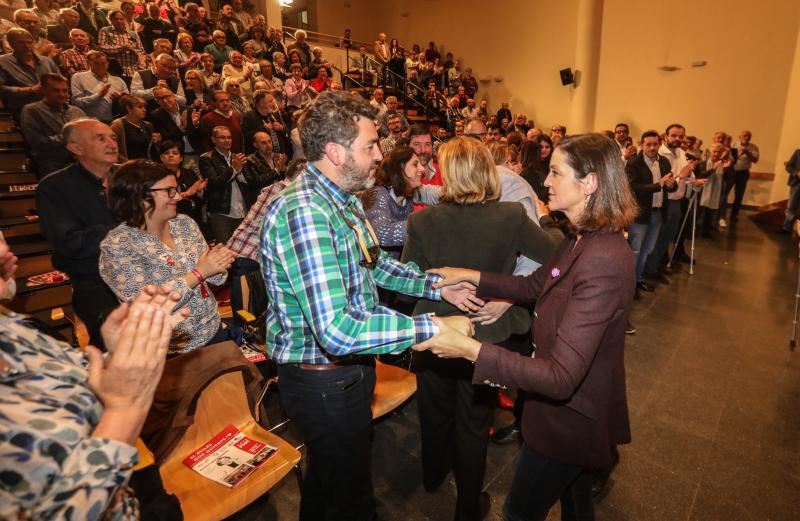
342	327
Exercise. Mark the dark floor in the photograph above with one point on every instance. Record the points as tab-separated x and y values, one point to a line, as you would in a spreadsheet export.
714	394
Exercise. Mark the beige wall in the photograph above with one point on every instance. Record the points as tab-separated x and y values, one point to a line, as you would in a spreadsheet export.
790	131
749	47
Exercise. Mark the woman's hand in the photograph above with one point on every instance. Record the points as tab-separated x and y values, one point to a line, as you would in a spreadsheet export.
454	276
216	260
162	298
542	208
462	296
156	137
451	340
126	381
197	186
491	312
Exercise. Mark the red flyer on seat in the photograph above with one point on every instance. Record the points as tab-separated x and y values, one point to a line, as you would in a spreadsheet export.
229	457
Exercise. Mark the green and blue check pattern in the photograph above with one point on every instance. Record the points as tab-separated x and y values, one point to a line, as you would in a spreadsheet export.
322	303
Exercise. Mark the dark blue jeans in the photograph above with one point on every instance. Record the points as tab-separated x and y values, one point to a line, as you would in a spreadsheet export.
241	266
331	409
539	482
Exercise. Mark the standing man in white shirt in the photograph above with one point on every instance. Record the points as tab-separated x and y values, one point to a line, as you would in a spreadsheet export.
747	155
382	55
96	90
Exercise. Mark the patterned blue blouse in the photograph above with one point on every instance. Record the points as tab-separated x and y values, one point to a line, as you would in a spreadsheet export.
389	220
130	259
50	466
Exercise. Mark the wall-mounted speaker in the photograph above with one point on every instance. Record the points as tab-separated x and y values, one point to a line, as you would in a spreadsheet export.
567	78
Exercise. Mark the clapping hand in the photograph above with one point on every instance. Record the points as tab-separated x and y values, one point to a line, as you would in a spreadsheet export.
216	260
237	161
162	298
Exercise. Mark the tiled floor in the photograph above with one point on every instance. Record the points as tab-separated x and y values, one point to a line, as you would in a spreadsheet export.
714	394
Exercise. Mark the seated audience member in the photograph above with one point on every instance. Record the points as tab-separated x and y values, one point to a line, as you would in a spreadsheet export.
46	13
175	124
650	178
223	115
75	217
453	113
249	57
95	90
322	81
42	124
471	225
274	84
8	270
160	46
211	78
154	27
546	149
557	132
237	69
504	112
391	109
120	44
421	140
276	43
156	244
298	91
470	111
196	26
59	33
318	62
711	172
74	423
135	136
377	101
493	132
279	64
188	58
520	124
257	38
266	116
190	186
242	18
244	241
469	83
533	169
395	134
227	24
230	194
532	134
92	18
301	46
263	165
75	59
239	103
163	75
197	95
362	64
219	50
128	11
461	94
398	177
28	20
20	71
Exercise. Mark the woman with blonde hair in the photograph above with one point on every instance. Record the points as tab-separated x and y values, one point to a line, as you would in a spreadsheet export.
187	57
468	227
575	401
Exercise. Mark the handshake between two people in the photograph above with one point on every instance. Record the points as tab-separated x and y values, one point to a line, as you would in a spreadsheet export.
454	339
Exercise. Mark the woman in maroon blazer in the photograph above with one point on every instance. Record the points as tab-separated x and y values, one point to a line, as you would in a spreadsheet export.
576	406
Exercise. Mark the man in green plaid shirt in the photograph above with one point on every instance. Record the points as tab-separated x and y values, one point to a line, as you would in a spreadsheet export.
322	265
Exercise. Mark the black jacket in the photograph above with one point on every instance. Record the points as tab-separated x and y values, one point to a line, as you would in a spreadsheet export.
74	216
86	25
641	180
164	124
220	176
257	168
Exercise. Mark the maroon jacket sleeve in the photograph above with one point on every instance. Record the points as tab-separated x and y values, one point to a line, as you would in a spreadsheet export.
594	298
522	290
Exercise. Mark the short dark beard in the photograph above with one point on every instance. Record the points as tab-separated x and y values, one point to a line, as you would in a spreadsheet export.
353	178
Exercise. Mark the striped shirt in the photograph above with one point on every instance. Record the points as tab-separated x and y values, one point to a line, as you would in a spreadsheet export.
322	303
244	241
112	43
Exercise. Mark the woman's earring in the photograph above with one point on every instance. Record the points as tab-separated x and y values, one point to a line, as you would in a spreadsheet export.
588	198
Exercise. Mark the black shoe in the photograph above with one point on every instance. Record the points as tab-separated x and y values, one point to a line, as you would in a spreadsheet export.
644	286
506	434
630	329
658	278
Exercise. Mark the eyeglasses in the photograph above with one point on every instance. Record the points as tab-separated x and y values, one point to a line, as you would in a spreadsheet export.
372	253
172	191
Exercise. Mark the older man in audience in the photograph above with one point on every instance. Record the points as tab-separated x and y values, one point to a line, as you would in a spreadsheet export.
181	126
120	44
160	46
747	155
219	49
59	32
46	13
162	75
75	217
92	17
196	26
20	71
263	165
28	20
395	127
242	18
391	109
155	27
74	59
42	123
95	90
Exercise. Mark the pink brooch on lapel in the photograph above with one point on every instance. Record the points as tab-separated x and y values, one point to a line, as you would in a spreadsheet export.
555	272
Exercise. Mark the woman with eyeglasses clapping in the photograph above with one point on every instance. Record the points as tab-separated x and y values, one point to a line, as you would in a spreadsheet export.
156	245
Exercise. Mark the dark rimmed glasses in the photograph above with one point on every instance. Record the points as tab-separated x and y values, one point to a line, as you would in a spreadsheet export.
172	191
